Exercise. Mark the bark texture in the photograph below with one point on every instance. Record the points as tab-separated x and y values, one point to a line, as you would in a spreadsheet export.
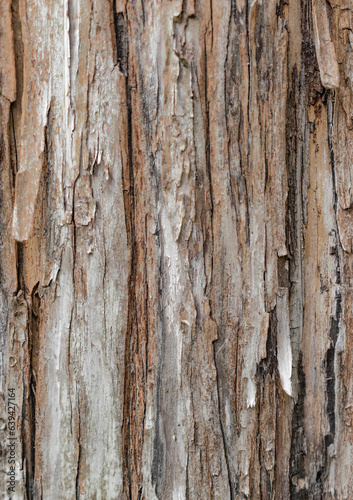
176	268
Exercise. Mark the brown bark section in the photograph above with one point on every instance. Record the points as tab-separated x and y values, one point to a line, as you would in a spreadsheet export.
176	248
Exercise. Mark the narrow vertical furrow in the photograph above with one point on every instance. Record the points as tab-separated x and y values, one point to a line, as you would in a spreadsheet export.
297	161
331	359
123	61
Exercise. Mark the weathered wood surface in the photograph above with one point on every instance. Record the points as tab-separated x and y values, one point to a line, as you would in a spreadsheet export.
176	216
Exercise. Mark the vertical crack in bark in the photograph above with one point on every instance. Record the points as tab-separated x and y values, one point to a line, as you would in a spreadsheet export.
187	487
208	165
122	50
71	19
222	428
34	352
145	277
158	446
33	301
13	147
69	364
19	266
330	116
266	367
248	56
78	465
335	320
121	38
18	51
297	452
296	129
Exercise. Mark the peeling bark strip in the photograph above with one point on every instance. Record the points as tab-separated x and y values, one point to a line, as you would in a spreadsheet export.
325	49
176	268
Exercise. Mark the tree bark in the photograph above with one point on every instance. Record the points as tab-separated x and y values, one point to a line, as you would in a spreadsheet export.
176	269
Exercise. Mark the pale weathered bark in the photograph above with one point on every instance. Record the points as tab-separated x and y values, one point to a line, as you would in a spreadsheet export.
176	209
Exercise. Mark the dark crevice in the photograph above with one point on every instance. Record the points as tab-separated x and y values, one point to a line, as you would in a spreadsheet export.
146	319
224	441
330	115
22	308
269	364
208	162
72	13
266	367
34	351
335	320
13	148
297	452
247	163
331	375
18	52
19	266
78	465
158	445
26	452
297	162
122	52
187	487
122	41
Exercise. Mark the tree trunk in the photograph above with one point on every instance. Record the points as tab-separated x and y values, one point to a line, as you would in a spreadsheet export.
176	216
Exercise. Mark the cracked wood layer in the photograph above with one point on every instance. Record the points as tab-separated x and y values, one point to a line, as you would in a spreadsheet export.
176	261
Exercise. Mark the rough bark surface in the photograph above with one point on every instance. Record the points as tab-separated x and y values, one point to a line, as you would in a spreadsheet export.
176	268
